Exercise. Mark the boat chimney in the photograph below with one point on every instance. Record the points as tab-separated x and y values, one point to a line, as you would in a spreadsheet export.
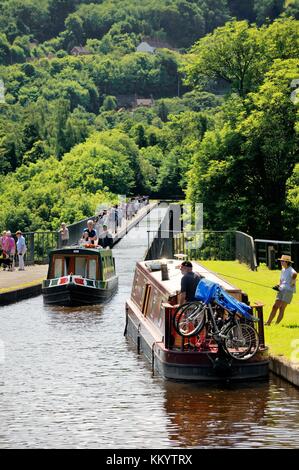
164	270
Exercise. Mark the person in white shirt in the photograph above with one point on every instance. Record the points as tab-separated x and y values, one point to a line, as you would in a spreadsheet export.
286	288
21	249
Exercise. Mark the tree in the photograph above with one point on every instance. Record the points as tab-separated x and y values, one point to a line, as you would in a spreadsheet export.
241	54
109	103
150	160
140	138
241	169
242	10
272	141
74	25
233	53
4	49
162	111
292	9
58	11
291	212
268	9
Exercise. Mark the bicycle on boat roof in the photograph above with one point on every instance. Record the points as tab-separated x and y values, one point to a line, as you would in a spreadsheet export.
238	338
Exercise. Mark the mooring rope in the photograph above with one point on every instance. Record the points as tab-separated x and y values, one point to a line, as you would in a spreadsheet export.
245	280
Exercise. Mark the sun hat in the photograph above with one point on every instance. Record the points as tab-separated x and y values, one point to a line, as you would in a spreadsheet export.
19	232
286	258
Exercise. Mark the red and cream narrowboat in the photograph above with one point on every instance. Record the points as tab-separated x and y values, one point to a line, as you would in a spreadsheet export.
80	276
149	325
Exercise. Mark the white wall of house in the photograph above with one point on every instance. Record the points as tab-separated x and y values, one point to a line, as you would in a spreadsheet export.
145	47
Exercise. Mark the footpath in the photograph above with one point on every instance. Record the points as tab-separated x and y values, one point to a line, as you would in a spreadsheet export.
19	285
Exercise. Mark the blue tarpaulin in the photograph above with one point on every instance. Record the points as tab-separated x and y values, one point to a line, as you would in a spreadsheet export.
208	291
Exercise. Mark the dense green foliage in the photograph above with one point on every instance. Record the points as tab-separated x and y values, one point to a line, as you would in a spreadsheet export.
223	128
248	158
31	28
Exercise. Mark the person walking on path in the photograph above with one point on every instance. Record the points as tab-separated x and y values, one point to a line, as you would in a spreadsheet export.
11	249
286	288
64	234
21	249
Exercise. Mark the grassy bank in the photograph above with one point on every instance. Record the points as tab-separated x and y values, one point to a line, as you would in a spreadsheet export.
280	338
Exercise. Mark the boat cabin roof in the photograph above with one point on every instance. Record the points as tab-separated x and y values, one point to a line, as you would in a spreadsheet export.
77	250
88	262
173	285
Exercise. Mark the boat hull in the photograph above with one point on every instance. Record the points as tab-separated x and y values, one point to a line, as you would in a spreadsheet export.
75	295
193	366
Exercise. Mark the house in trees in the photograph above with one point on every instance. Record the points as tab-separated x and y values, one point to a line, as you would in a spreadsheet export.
144	102
145	47
79	50
151	44
132	101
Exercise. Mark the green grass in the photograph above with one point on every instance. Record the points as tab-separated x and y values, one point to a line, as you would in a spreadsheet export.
281	338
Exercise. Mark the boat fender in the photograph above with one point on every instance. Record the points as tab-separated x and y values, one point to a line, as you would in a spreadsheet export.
153	358
127	319
138	339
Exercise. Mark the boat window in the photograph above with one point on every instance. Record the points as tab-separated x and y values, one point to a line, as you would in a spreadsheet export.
92	269
58	271
80	266
67	265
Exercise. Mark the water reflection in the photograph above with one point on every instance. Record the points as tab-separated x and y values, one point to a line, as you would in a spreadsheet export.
245	415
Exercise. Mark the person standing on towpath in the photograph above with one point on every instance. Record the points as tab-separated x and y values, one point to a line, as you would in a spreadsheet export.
286	288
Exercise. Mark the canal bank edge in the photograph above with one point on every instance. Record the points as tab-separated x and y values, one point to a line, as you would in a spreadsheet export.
24	292
285	369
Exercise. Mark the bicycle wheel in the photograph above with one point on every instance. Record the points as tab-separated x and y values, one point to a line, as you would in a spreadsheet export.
241	342
191	319
177	314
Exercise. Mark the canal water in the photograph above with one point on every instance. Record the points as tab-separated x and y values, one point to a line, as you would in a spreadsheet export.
69	379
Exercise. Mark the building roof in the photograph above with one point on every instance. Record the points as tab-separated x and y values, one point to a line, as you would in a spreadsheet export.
79	50
158	43
144	102
145	47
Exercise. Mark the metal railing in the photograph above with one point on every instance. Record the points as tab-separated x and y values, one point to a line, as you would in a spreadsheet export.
215	245
38	246
212	245
245	250
268	251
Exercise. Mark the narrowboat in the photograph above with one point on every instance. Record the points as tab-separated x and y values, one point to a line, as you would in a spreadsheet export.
150	327
80	276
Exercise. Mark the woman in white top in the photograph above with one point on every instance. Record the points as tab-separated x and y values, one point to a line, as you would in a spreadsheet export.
286	288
